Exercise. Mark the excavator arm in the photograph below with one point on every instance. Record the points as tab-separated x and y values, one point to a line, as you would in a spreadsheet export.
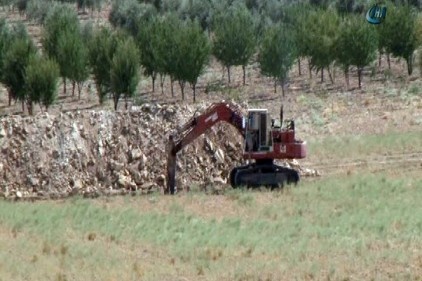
195	127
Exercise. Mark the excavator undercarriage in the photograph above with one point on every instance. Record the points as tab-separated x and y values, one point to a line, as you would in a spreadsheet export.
263	173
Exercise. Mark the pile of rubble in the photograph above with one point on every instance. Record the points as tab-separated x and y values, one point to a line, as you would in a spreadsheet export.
105	152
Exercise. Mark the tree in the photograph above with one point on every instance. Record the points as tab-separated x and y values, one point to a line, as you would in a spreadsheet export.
21	5
193	50
38	10
101	48
61	28
145	44
161	51
15	62
124	72
356	45
90	4
5	40
73	58
198	10
131	15
277	54
234	39
321	27
42	75
296	19
399	34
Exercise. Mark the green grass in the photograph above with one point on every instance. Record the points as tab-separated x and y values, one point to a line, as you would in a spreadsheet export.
362	146
363	226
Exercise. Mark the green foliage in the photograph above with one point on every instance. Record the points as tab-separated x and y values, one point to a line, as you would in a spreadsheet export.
193	50
101	48
124	72
301	33
169	6
356	45
345	7
234	40
5	38
277	53
160	49
130	15
38	10
73	57
198	10
171	47
15	62
61	19
41	79
62	42
21	5
90	4
321	27
147	39
398	34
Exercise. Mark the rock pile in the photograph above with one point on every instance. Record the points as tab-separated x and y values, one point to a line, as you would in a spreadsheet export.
103	152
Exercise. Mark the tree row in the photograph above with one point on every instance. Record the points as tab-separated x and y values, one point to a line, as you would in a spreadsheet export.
171	45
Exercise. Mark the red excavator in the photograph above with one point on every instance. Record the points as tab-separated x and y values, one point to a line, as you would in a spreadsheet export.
265	139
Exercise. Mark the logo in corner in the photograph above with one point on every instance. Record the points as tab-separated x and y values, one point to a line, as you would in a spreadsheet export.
376	14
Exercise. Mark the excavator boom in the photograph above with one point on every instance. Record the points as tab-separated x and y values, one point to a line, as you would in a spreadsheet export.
195	127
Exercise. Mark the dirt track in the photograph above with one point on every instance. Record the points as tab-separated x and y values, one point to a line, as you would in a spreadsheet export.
394	162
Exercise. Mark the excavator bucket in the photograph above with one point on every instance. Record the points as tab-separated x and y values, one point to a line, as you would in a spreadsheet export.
171	168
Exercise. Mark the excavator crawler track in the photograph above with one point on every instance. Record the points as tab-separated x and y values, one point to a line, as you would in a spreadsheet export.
268	175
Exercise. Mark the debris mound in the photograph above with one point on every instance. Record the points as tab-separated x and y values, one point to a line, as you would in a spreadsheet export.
94	153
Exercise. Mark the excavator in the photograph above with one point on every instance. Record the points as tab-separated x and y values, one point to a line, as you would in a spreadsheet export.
265	140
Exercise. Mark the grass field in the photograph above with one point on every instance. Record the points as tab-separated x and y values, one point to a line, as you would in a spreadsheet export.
359	227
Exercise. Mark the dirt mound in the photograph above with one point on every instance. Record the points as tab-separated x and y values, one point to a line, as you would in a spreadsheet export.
104	152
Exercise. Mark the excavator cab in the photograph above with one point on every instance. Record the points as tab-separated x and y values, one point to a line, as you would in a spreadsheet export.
257	134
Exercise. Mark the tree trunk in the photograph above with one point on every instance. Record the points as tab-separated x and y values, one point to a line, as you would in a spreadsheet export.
322	75
330	75
100	94
360	77
310	69
73	88
194	91
244	75
64	85
283	83
275	86
346	76
162	79
116	100
409	61
23	106
388	61
298	66
10	98
153	76
182	88
79	90
228	73
172	86
379	60
29	105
